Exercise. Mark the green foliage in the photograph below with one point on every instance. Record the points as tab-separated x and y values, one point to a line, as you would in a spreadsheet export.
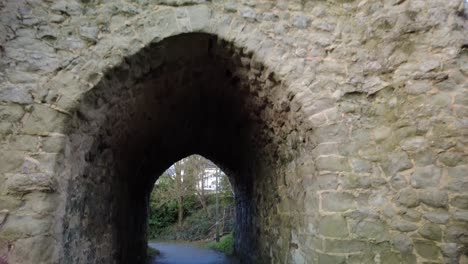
152	252
225	244
180	184
161	218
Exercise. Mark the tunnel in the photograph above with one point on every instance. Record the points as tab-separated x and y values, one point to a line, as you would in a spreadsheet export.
188	94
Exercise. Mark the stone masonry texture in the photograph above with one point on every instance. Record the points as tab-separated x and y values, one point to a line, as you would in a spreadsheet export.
342	125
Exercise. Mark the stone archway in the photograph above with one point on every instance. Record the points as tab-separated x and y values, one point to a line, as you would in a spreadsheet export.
191	93
373	170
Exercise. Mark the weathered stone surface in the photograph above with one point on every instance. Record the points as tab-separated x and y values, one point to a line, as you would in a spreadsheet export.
355	181
360	165
456	233
437	217
15	95
414	144
427	249
460	201
332	163
344	246
428	176
417	87
397	161
408	197
90	87
411	215
43	120
301	21
327	181
398	181
24	226
38	249
333	226
337	202
24	183
431	231
461	216
434	198
372	229
327	259
403	243
404	226
451	250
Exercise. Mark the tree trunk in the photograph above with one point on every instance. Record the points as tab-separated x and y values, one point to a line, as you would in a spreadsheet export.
180	194
180	215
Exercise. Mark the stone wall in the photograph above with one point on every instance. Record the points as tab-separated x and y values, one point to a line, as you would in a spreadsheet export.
341	124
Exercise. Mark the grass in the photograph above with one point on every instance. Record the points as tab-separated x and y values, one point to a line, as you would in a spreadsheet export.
225	245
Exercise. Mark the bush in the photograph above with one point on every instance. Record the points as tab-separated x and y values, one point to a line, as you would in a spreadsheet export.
153	252
161	219
225	244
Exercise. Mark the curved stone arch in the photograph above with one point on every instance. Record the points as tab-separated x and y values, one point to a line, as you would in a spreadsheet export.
64	91
157	26
91	76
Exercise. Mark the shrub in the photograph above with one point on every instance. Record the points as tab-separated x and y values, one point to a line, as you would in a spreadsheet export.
152	252
225	244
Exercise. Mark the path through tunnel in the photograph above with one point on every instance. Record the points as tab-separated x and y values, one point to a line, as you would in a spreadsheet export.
188	94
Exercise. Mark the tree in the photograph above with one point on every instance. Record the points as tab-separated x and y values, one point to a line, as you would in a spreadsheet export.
196	167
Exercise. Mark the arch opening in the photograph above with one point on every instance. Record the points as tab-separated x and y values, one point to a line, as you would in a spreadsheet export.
191	201
188	94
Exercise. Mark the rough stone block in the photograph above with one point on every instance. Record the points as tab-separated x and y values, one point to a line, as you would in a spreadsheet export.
355	181
431	231
200	16
24	226
456	233
327	181
404	226
398	181
428	176
332	163
361	166
417	86
24	183
10	160
396	162
411	215
36	249
460	201
408	197
344	246
333	226
331	148
373	229
337	202
15	95
24	143
451	159
329	259
427	249
461	216
43	120
301	21
403	243
382	133
414	144
53	144
441	217
434	198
